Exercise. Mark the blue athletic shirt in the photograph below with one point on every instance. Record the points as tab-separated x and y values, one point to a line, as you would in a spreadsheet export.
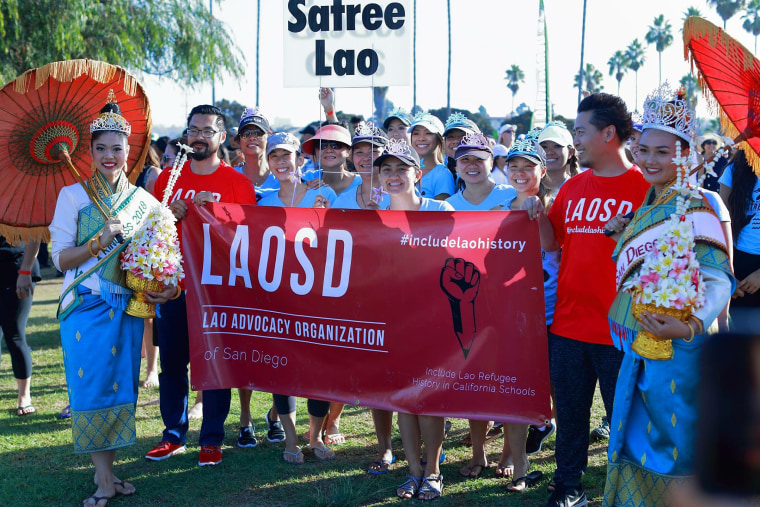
273	198
347	200
499	194
438	181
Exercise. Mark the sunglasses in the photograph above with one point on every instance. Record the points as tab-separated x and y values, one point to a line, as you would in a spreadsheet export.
333	145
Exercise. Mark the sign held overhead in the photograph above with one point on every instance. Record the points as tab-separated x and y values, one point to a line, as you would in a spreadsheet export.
349	44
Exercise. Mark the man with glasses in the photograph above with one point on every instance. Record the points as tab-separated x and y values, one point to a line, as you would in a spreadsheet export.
204	178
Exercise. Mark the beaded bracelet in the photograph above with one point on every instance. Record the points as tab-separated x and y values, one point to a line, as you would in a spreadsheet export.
24	272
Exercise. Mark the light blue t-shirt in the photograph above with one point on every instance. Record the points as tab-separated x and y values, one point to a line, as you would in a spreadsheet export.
748	239
438	181
348	200
499	194
550	262
273	198
431	205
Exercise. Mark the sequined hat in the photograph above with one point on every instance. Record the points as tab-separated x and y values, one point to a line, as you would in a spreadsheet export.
400	114
458	121
369	133
474	144
528	148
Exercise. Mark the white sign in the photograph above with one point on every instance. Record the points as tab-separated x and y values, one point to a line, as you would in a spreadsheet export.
347	43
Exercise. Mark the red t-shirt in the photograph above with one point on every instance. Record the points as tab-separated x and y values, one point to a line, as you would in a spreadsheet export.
225	183
586	284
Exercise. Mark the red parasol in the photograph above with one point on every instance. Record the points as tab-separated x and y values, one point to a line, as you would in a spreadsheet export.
46	111
730	77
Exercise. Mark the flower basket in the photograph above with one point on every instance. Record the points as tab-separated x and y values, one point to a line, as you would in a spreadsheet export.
138	306
648	345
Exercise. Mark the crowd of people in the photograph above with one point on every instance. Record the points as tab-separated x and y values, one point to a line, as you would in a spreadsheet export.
591	191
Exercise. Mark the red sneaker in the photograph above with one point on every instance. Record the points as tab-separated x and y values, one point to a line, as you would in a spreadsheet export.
165	450
210	455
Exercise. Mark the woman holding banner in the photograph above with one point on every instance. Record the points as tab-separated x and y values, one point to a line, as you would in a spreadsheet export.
654	419
399	174
101	343
427	140
474	162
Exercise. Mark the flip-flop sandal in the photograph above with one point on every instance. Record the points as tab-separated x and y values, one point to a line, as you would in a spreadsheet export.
334	439
472	471
381	467
27	410
411	487
528	481
297	457
465	440
98	499
66	412
322	454
493	434
440	460
120	484
551	486
427	487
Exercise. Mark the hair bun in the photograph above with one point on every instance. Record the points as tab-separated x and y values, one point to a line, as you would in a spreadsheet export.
111	108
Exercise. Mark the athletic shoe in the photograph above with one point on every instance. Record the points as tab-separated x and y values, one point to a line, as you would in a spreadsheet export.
210	455
165	450
536	438
602	432
568	497
275	433
246	438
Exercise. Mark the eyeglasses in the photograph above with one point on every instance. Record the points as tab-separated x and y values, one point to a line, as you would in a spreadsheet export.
711	142
333	145
255	134
207	133
166	158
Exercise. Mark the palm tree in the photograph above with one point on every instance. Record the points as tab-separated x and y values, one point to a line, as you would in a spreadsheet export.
726	8
618	66
691	87
751	19
448	74
635	55
514	77
590	79
659	35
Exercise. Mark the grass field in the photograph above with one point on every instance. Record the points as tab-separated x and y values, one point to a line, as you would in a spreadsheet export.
38	466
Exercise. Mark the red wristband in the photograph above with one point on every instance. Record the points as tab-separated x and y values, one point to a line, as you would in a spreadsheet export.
328	113
24	272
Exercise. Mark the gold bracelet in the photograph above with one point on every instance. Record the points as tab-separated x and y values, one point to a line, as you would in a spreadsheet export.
100	245
178	294
688	340
89	247
700	325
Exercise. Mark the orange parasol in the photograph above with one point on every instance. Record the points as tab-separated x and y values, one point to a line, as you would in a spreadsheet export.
45	112
730	78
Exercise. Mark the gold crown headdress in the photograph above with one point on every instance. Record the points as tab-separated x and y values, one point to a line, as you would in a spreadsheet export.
666	109
111	121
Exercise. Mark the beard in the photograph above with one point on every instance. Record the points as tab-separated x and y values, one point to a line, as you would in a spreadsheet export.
201	151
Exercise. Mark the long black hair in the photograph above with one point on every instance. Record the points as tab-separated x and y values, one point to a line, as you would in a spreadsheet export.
743	181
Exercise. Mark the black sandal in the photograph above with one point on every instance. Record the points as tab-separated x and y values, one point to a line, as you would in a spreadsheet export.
527	481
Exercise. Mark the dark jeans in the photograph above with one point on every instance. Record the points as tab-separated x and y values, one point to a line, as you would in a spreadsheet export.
174	350
574	368
13	315
745	311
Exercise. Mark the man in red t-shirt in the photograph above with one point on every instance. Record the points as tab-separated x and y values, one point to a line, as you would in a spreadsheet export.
204	178
580	346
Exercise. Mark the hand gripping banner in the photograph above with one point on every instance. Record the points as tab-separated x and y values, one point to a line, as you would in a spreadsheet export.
432	313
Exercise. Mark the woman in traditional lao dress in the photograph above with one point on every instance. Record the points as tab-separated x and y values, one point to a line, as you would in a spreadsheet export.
654	418
101	343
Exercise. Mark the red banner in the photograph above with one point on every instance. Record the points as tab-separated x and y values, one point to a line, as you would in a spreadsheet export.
438	313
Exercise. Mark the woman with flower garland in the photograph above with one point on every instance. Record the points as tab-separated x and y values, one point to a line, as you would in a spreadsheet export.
654	416
426	133
101	343
399	174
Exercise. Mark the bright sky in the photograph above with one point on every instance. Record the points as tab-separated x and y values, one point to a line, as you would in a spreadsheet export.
488	36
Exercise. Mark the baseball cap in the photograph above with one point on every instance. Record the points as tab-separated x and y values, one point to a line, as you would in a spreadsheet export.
500	150
401	151
474	144
460	122
283	140
556	132
429	121
507	126
400	114
329	132
369	133
254	117
529	149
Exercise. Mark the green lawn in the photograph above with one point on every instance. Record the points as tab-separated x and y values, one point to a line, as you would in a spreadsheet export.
38	466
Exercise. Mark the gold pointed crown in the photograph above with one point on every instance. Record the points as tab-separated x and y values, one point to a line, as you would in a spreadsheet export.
111	121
